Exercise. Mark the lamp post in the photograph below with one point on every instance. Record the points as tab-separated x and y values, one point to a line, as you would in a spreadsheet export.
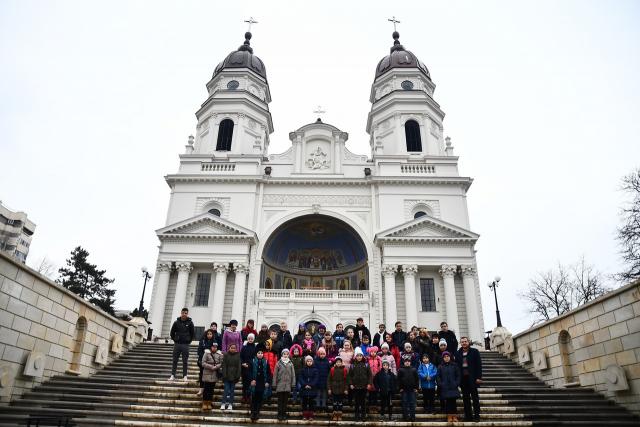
147	276
493	285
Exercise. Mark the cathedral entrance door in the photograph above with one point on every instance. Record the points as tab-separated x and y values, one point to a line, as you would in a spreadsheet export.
312	326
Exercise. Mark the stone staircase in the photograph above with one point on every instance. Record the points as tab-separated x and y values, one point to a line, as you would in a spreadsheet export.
134	391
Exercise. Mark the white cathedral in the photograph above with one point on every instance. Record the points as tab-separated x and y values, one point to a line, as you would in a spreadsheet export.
318	233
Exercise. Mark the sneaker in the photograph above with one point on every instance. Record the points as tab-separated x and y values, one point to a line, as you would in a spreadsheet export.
230	408
172	378
222	407
185	378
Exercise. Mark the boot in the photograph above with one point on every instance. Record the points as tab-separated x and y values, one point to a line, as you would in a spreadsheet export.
206	405
448	418
334	416
339	416
311	414
454	419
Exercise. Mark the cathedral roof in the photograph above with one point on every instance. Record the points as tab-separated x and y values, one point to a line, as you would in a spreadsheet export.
400	58
243	58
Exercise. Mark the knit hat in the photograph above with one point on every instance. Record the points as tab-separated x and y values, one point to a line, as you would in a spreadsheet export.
408	344
251	336
384	345
337	358
443	341
285	350
214	343
321	326
358	352
406	358
385	362
308	358
446	353
372	350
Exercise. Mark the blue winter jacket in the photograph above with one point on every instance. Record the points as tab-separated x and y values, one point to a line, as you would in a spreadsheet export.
428	370
448	380
323	366
308	377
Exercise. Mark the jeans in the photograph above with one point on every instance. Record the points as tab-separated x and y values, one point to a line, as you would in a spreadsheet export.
321	398
409	404
385	404
180	350
428	399
470	392
227	394
337	402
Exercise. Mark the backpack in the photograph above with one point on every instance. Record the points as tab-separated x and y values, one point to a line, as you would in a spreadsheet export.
344	372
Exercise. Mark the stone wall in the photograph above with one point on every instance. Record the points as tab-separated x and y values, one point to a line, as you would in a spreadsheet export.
45	330
596	345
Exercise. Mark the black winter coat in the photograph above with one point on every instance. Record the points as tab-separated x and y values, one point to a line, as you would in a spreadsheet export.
474	363
448	380
399	338
182	331
247	353
202	346
408	378
285	339
359	375
385	382
323	366
450	338
308	377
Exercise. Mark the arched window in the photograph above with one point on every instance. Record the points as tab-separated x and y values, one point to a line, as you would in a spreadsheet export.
214	211
225	133
419	214
412	133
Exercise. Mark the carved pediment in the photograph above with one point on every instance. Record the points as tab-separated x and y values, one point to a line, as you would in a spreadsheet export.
427	228
206	225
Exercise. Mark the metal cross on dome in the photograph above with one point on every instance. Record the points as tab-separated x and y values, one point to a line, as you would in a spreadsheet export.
250	21
395	21
319	111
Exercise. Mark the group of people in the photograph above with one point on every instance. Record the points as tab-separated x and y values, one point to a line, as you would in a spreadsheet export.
317	367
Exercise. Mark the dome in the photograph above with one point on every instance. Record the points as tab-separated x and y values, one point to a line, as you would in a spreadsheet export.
400	58
243	58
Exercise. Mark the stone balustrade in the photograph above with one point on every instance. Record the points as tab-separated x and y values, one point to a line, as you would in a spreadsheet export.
217	167
308	295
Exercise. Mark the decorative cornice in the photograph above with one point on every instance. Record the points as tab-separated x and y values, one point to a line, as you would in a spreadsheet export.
163	267
169	237
448	270
241	268
426	239
184	267
389	270
468	270
221	268
409	270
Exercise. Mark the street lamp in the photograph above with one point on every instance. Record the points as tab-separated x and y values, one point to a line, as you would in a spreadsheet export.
147	276
493	285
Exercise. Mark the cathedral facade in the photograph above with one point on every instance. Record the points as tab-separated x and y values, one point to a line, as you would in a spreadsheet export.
318	233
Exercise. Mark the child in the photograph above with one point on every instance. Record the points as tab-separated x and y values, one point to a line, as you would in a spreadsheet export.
308	345
346	354
284	380
385	383
230	375
298	363
338	335
260	376
330	347
231	336
276	344
308	384
322	365
247	354
448	381
408	383
359	379
299	336
319	336
263	335
211	365
375	364
270	356
393	349
351	336
386	356
364	346
408	351
337	387
203	345
427	373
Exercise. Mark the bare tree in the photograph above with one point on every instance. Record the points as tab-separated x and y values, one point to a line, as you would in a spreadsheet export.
629	233
587	283
549	293
46	268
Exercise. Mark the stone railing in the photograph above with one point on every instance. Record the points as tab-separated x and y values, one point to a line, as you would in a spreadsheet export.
596	345
46	330
309	295
217	167
421	169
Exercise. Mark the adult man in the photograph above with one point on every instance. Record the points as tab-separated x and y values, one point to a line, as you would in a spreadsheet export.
284	336
182	333
399	336
217	336
361	330
468	359
379	337
449	336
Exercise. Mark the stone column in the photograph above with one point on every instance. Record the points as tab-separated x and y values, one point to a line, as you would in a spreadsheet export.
473	319
409	272
184	268
390	308
221	271
448	272
157	311
237	309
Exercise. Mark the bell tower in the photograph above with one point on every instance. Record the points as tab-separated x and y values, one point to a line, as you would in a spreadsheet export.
404	119
235	119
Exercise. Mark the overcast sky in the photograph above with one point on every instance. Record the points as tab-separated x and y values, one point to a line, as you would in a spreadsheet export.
97	100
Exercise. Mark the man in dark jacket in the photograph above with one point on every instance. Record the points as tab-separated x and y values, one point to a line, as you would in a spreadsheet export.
361	330
182	333
449	337
470	364
379	337
399	336
284	335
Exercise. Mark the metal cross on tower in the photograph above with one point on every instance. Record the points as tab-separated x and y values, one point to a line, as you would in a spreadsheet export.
250	21
395	21
319	111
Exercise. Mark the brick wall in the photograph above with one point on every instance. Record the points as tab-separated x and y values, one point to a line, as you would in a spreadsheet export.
596	345
39	336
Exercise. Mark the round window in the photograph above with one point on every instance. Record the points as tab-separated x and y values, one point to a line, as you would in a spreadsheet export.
419	214
214	211
407	85
233	85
